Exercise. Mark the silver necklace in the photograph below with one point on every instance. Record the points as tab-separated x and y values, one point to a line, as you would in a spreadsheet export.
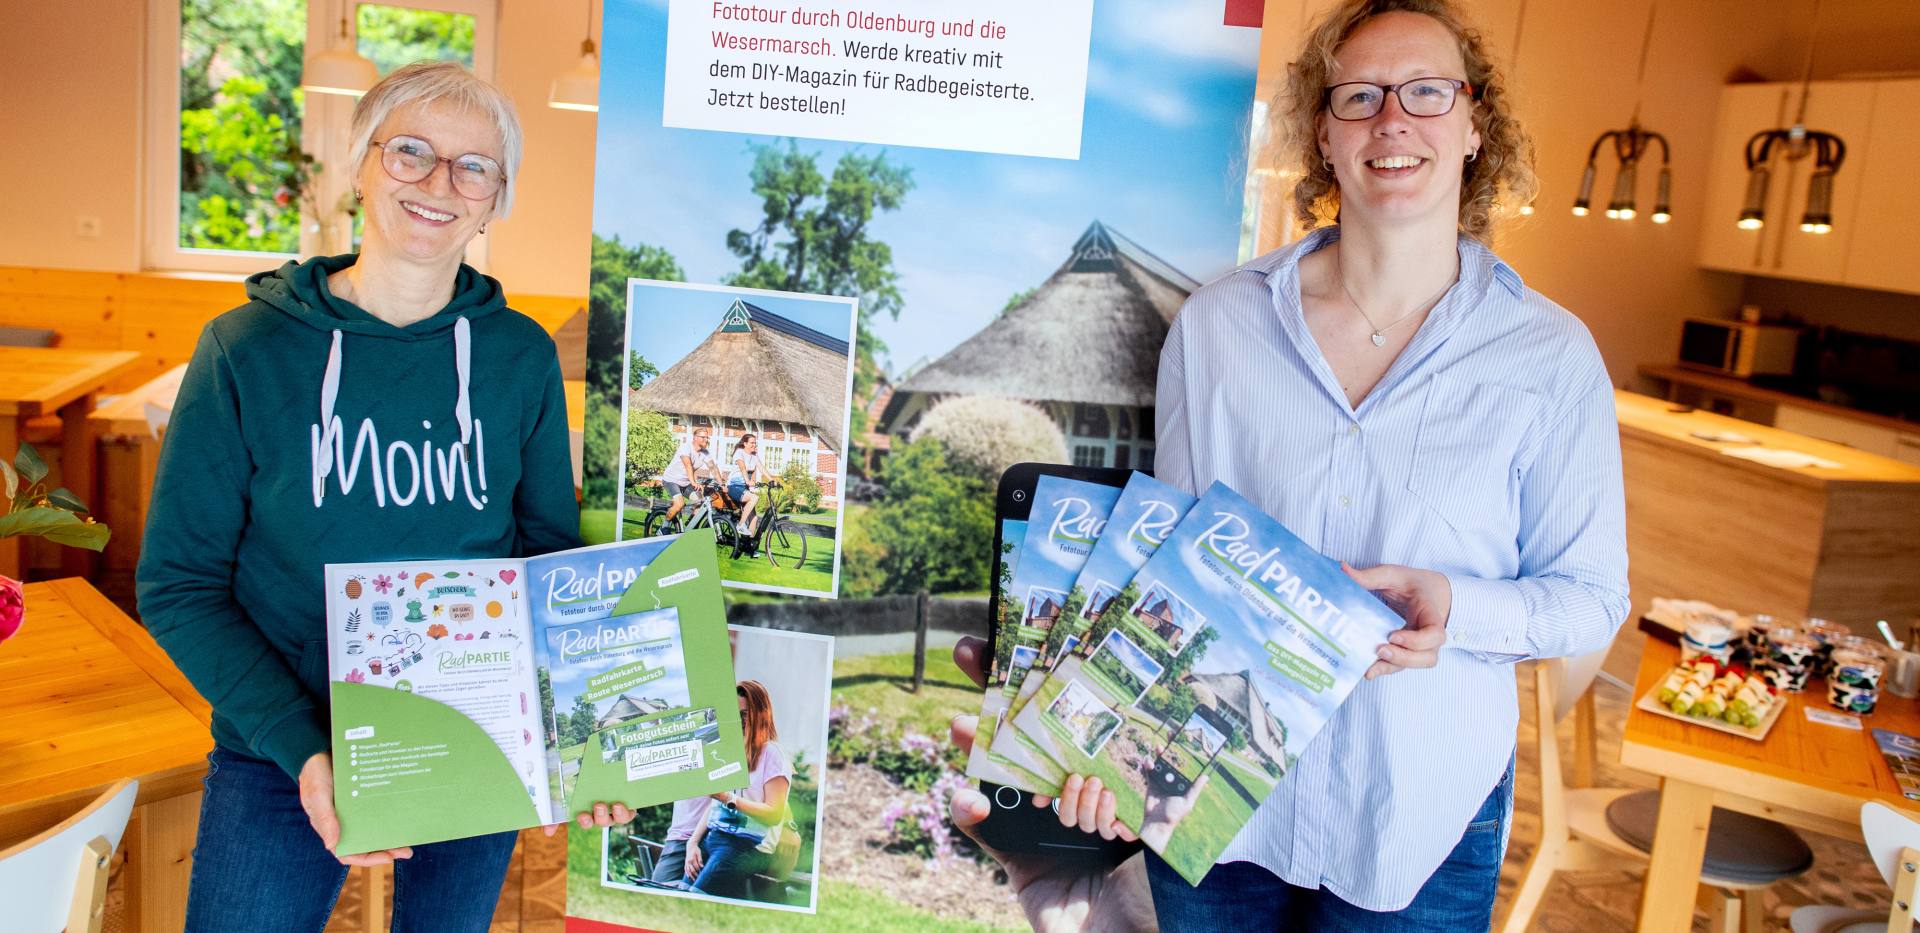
1379	336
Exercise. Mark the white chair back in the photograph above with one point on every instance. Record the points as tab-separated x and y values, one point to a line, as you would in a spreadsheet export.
37	877
1571	677
1887	831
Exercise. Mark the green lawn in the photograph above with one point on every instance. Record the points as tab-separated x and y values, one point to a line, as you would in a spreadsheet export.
596	525
841	906
883	682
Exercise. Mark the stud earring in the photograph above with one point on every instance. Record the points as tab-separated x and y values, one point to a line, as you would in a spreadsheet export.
357	196
1326	163
483	228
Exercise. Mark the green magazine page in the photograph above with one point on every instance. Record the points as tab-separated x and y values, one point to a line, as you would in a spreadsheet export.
478	696
667	724
436	721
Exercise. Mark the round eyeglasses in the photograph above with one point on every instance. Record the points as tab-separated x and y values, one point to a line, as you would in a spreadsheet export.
1419	97
410	159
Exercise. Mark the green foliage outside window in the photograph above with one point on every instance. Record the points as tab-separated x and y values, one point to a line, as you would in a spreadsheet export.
244	180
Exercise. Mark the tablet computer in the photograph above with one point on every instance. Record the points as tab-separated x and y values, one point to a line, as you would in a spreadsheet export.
1014	824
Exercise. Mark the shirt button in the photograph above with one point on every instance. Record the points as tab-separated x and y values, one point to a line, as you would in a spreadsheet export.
1353	429
1344	502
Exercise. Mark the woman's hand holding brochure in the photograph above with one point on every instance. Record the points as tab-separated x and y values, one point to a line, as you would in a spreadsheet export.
1056	894
1424	599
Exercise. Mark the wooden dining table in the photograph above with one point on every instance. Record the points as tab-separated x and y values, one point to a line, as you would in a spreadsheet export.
88	698
37	381
1804	774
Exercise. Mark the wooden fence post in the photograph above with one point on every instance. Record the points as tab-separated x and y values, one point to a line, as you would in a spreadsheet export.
922	608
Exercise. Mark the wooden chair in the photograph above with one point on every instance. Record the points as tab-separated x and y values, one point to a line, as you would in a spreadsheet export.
58	879
1587	828
1893	840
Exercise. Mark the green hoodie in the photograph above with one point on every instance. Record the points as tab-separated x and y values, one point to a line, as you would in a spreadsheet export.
308	432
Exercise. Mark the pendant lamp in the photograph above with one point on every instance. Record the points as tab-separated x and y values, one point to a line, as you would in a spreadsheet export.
339	70
578	88
1795	142
1629	145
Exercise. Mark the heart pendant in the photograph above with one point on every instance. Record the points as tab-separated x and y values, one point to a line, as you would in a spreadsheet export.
1379	339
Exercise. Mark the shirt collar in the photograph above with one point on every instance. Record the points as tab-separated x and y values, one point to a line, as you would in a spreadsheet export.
1477	262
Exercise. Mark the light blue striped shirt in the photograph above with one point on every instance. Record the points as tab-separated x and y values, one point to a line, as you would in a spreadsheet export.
1489	452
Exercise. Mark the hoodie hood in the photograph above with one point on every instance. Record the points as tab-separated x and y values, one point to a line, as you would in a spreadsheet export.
299	290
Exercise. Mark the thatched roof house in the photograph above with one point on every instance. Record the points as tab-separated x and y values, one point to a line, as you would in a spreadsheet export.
626	707
1085	346
759	366
1236	701
763	374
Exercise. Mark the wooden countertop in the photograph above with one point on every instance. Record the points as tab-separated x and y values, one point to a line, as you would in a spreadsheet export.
1741	388
1654	419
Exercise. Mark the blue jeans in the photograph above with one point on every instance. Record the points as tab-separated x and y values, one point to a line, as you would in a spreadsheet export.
258	865
1244	897
671	866
731	860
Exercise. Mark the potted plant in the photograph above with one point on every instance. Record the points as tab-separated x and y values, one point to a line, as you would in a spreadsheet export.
28	507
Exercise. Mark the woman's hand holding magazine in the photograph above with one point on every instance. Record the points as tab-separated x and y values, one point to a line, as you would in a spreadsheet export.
1056	895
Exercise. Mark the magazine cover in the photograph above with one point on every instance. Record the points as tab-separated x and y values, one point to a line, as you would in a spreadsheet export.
1197	697
644	874
1142	518
1902	755
435	717
636	672
1065	520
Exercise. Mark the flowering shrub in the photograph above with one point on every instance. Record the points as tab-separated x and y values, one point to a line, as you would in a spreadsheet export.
989	434
918	823
913	761
852	739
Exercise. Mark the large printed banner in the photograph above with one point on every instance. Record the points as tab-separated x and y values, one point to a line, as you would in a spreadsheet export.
851	260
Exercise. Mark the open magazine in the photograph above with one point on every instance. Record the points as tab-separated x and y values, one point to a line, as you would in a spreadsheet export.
1192	699
477	696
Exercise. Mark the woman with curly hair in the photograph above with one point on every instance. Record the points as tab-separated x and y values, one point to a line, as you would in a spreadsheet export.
1392	391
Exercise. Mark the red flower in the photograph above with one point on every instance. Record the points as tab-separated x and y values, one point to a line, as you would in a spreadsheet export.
13	607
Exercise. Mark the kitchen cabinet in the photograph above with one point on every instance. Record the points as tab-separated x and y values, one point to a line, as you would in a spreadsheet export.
1779	248
1882	254
1851	432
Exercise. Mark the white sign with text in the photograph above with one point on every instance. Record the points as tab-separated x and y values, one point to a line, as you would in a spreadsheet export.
992	76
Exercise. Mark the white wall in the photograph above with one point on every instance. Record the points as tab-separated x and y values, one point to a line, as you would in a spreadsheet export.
70	110
72	101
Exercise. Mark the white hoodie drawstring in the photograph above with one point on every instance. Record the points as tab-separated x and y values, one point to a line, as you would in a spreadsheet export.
462	403
329	390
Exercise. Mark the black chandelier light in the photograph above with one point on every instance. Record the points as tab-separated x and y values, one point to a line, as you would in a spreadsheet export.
1629	145
1795	142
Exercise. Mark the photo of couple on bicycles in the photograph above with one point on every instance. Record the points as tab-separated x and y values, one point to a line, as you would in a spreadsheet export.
736	411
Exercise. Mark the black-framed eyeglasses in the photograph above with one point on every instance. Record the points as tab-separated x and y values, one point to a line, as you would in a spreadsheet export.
410	159
1419	97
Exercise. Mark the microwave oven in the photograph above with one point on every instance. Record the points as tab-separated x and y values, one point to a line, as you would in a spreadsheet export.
1738	348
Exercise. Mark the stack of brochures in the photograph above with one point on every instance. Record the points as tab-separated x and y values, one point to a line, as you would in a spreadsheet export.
478	696
1184	652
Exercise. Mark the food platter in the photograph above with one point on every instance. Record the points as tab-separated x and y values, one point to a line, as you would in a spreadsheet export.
1650	702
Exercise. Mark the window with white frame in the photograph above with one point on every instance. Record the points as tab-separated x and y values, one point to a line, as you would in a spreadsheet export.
775	459
1087	455
256	173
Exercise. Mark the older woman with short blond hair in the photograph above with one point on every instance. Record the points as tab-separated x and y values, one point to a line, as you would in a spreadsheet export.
293	445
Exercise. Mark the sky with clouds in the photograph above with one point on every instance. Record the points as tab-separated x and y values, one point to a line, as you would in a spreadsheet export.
1163	160
1043	563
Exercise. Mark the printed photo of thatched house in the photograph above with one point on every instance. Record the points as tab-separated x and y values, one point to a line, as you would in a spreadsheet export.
751	389
763	374
1084	347
1235	702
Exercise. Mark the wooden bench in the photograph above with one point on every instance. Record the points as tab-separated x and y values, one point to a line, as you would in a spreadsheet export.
129	451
